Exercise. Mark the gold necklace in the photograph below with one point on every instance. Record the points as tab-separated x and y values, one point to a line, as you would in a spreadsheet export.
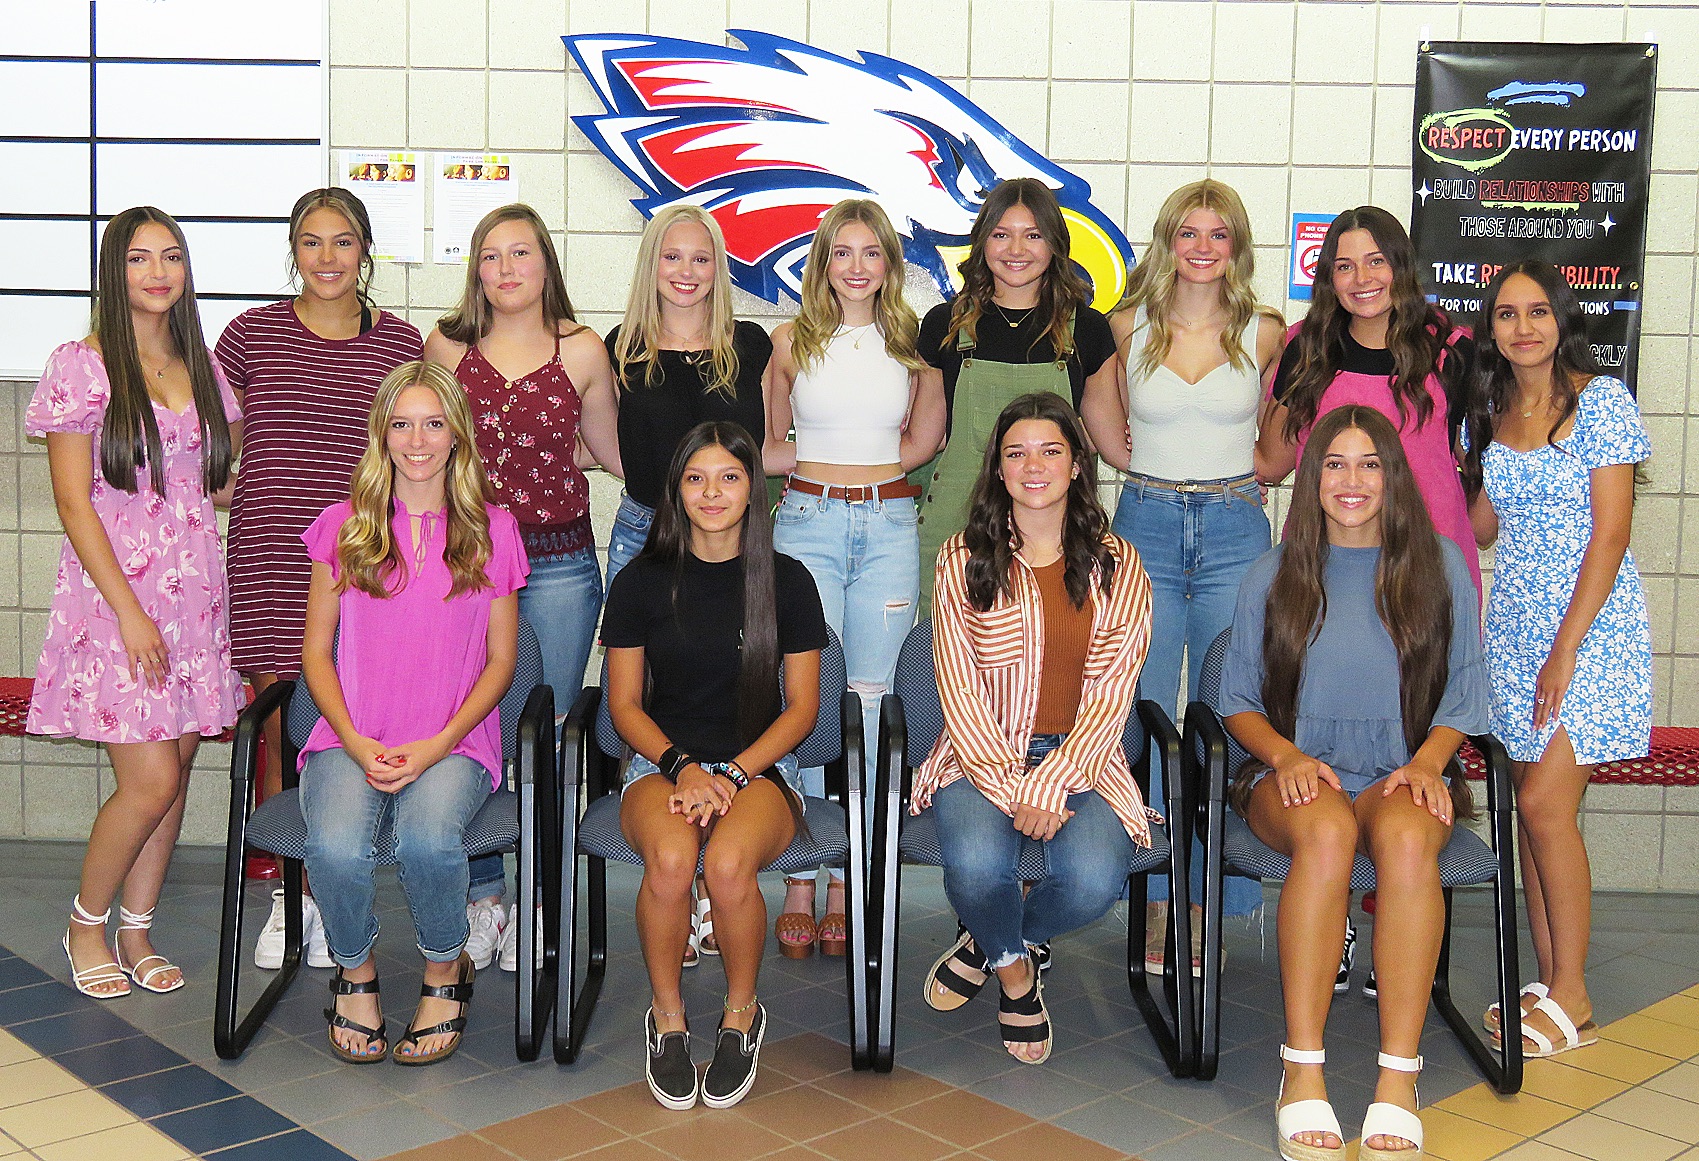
160	373
1026	313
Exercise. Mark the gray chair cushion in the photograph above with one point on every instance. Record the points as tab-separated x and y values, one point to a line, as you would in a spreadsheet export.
825	844
277	826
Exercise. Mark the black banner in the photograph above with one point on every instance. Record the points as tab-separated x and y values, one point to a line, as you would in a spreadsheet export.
1537	150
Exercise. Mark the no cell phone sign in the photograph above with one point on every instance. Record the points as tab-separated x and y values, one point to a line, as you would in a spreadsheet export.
1308	230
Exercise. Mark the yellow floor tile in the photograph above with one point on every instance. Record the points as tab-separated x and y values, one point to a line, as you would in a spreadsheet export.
1678	1009
132	1142
33	1080
59	1118
1662	1037
1601	1139
1525	1113
1681	1081
12	1050
1575	1087
1667	1115
1536	1151
1449	1137
1619	1061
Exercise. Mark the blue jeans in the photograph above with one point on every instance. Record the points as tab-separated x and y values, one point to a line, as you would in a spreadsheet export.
1085	867
865	560
1197	547
344	814
562	600
630	533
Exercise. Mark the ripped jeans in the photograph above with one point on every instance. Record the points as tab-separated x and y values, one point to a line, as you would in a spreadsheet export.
865	559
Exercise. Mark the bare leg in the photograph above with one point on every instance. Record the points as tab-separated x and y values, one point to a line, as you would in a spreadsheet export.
1404	841
271	778
152	778
1321	839
669	846
754	832
1560	889
1016	980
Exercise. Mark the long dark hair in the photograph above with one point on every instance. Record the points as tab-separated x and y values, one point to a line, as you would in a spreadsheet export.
1415	335
1495	379
1412	594
130	435
991	534
1062	292
353	211
669	545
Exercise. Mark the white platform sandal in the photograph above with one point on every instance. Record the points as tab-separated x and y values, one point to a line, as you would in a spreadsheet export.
1491	1020
1570	1034
143	921
1388	1120
1311	1116
86	980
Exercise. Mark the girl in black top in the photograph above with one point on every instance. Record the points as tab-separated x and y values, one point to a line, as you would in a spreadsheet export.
709	610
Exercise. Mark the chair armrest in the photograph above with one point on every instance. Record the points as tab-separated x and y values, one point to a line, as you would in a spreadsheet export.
577	739
1160	734
534	740
888	781
1209	737
244	754
844	779
1500	796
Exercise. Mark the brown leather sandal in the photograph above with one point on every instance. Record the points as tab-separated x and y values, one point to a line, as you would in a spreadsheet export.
796	931
834	925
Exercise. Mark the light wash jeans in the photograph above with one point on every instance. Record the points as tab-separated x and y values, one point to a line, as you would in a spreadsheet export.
630	533
344	813
1085	866
1197	547
865	559
562	601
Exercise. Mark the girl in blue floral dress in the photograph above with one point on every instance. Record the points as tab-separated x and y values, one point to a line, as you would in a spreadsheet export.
1569	649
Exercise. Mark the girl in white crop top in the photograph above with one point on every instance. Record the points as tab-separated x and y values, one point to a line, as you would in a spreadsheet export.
865	409
1195	346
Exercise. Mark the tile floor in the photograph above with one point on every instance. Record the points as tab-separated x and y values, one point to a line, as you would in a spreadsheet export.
138	1080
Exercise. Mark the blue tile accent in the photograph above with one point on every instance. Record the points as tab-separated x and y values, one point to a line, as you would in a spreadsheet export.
101	1064
19	973
79	1028
297	1146
170	1091
219	1126
37	1000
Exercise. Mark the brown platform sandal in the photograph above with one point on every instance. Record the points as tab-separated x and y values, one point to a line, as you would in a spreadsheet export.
834	925
459	992
800	929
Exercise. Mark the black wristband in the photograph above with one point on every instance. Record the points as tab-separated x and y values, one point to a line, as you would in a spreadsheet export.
672	762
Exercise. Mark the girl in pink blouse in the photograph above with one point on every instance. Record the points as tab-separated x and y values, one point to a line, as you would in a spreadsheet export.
420	575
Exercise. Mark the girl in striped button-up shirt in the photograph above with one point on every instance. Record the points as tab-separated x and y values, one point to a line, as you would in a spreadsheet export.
1042	619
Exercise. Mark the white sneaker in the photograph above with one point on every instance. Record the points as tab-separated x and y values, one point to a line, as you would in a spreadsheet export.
268	948
510	940
487	919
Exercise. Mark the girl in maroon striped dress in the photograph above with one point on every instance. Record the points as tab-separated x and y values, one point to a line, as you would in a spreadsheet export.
306	370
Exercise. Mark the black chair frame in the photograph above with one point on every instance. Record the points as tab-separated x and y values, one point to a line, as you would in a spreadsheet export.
595	773
538	808
1207	749
1171	1020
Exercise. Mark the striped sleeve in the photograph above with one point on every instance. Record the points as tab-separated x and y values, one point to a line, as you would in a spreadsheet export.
1118	647
981	748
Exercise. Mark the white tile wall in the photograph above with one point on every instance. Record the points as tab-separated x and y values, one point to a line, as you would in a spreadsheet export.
1139	97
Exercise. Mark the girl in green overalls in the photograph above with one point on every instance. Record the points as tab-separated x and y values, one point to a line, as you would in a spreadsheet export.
1019	324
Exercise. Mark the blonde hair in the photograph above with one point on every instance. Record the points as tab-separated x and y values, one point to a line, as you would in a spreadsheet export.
821	313
1152	283
367	555
470	321
640	333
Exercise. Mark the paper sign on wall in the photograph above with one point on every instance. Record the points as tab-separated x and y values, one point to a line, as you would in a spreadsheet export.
468	186
1308	230
393	189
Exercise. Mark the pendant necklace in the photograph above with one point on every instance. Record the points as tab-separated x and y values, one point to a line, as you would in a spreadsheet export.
1026	312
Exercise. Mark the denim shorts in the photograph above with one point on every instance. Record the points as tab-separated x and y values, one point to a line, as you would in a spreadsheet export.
641	767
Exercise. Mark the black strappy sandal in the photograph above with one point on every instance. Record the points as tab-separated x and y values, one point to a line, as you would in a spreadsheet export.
341	987
459	992
1031	1004
954	986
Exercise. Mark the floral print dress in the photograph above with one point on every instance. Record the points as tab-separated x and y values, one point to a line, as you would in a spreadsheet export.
169	550
1543	498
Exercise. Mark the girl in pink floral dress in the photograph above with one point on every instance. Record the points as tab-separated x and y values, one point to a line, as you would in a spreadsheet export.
139	428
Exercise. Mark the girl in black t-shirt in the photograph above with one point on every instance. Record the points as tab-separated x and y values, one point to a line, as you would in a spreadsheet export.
709	610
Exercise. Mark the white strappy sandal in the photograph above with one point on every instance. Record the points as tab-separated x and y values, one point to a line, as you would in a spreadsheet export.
1490	1021
1311	1116
1388	1120
132	921
86	980
1571	1035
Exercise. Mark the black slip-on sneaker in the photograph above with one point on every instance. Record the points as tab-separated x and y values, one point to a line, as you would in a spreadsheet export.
671	1075
731	1074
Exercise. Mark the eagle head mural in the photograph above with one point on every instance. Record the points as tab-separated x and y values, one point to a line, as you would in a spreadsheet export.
769	136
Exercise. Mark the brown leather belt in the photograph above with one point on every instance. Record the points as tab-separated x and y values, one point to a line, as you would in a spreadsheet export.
1189	487
856	493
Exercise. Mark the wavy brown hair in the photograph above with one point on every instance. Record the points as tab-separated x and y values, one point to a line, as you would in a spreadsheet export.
470	321
1415	335
1412	594
129	437
1062	292
993	538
